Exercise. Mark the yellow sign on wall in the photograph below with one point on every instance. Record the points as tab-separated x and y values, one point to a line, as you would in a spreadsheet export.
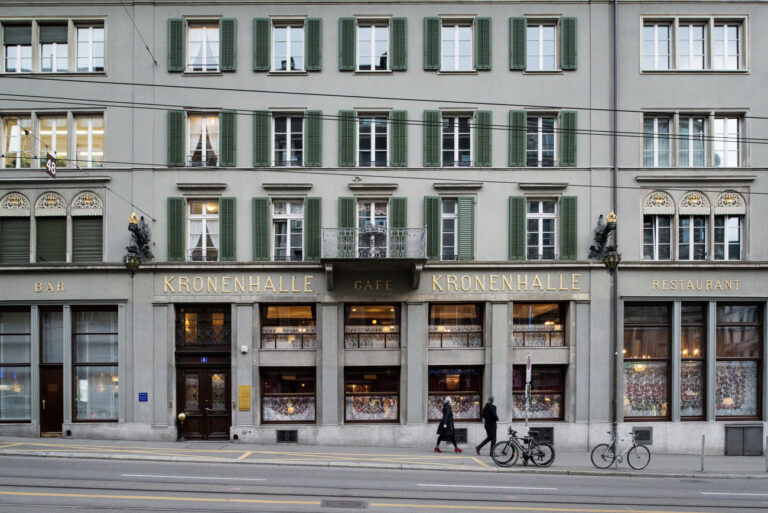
244	397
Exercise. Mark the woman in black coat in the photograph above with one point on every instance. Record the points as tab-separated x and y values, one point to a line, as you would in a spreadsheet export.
445	429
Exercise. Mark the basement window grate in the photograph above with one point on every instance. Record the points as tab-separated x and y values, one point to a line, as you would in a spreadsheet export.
543	434
460	434
643	435
287	436
343	504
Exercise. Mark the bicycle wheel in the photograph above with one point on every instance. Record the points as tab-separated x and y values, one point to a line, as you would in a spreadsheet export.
639	457
603	456
504	454
542	454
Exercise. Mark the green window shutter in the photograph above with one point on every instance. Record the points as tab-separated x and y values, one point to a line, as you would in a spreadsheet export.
14	240
432	138
228	138
568	43
517	38
398	212
176	221
228	44
227	230
516	138
432	29
312	228
261	133
347	44
399	35
483	44
261	229
313	133
261	41
483	138
432	224
175	44
176	122
517	228
87	239
346	212
568	138
398	146
51	239
347	146
466	215
568	228
313	41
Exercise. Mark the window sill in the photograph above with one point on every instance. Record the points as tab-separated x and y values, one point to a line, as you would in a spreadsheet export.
53	74
288	73
372	349
695	71
374	72
470	72
202	73
544	72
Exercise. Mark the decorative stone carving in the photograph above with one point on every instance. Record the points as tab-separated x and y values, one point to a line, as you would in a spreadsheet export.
659	203
730	202
50	204
14	204
87	203
694	203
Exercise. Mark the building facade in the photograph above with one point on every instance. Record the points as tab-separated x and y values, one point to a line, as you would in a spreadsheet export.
359	209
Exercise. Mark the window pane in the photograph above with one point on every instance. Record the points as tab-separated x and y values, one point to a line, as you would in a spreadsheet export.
15	393
645	389
692	389
53	336
96	393
371	394
736	388
288	395
15	337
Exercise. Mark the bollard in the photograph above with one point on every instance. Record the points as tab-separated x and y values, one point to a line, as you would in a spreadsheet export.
703	438
765	451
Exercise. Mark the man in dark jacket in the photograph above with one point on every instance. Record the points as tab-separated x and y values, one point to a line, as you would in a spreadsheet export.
489	419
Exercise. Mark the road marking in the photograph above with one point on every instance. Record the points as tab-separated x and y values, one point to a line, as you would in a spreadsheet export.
197	477
466	507
480	462
244	455
156	498
736	493
486	486
9	445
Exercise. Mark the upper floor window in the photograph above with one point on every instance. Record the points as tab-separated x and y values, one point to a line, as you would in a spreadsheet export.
17	142
90	48
449	236
455	325
728	237
457	140
656	46
726	141
456	53
288	140
371	326
691	148
540	45
691	46
203	47
372	134
17	43
538	325
692	241
726	46
288	227
541	222
288	327
89	140
288	47
540	143
372	46
54	50
656	141
53	139
203	140
657	237
203	230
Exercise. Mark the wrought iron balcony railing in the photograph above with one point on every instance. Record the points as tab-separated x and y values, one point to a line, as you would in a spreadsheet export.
375	241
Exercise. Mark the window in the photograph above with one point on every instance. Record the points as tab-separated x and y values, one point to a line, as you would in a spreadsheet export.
538	325
656	46
371	326
51	228
657	237
647	336
87	213
656	141
54	50
541	219
202	325
288	395
449	236
90	48
691	46
17	43
288	327
289	140
94	342
288	227
53	139
203	140
728	237
547	398
456	47
457	141
15	354
288	48
540	144
372	225
684	44
727	141
541	47
372	47
203	47
691	152
52	336
17	142
371	394
15	213
726	46
738	364
692	241
372	140
693	341
89	140
455	325
203	229
463	385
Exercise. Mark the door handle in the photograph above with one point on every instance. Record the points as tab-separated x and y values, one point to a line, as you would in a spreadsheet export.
43	403
207	409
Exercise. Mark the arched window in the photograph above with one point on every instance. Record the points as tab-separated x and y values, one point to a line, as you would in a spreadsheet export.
658	211
87	212
694	211
14	228
730	209
51	228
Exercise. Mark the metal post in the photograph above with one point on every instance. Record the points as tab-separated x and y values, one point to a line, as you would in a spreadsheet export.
703	441
527	404
765	451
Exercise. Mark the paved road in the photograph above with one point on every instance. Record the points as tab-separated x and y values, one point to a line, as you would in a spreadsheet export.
52	485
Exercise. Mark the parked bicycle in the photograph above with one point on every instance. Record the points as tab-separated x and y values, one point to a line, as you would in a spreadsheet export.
638	456
507	452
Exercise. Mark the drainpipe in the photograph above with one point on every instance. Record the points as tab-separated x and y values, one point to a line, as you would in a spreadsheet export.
615	204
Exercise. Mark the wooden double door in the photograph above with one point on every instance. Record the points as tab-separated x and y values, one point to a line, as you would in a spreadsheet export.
204	396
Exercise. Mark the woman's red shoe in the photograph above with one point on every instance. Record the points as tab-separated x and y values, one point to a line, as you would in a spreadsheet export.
459	450
437	449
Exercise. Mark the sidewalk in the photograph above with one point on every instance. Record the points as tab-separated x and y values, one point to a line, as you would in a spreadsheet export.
396	458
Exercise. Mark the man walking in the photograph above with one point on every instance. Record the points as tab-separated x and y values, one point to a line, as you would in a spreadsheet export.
489	419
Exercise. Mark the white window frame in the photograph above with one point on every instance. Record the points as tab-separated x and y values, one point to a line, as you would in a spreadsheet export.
372	25
722	138
287	218
725	243
655	230
90	43
540	138
453	217
203	135
456	151
288	126
689	44
456	24
540	216
6	140
691	228
372	218
378	117
204	219
540	25
656	138
90	117
290	26
739	43
54	58
18	58
690	160
206	26
656	25
43	149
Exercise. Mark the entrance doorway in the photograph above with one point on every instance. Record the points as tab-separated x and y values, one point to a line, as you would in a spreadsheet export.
51	399
204	396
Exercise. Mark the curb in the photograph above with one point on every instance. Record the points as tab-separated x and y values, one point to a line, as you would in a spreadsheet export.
379	466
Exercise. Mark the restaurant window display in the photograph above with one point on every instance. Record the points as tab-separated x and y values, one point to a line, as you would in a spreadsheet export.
463	385
288	327
538	325
455	325
647	338
737	368
94	342
371	326
203	325
371	394
547	392
15	351
693	343
288	395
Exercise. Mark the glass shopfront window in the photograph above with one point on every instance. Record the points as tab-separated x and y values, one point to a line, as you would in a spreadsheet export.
203	325
463	385
647	336
15	350
288	327
371	394
455	325
693	343
94	340
737	368
547	392
288	395
538	325
371	326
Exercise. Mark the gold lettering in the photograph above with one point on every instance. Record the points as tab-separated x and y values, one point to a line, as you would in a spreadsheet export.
548	287
718	285
388	285
358	285
493	286
728	285
682	282
479	284
378	284
436	282
197	284
252	284
561	283
293	285
225	284
39	286
664	285
184	282
737	283
368	285
524	282
60	286
575	281
468	280
673	285
280	285
240	284
308	284
709	284
690	285
167	285
269	285
213	284
699	284
655	285
536	281
49	287
450	279
506	282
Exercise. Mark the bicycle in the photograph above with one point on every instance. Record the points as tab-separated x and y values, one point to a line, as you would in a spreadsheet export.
506	453
638	456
